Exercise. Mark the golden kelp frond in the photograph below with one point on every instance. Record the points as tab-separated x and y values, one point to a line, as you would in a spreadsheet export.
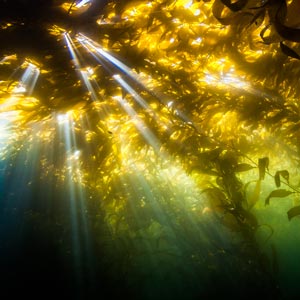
203	67
158	129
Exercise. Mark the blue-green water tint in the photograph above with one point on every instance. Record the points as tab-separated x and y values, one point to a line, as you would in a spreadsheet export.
286	240
164	253
35	247
184	265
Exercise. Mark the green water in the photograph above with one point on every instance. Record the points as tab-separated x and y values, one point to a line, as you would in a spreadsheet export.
163	251
149	179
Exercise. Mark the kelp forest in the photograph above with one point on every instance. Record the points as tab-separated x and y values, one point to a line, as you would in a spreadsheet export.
150	149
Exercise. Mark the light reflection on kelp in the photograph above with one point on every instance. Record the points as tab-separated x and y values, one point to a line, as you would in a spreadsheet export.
171	170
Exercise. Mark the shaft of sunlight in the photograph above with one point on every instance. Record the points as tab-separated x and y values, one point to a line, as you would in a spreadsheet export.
130	90
82	3
28	80
228	79
88	84
6	121
93	47
179	190
100	55
75	187
139	124
84	74
72	50
30	77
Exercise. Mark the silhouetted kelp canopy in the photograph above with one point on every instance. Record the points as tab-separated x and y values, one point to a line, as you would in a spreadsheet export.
149	148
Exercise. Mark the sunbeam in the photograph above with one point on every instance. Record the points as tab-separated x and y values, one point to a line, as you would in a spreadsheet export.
141	127
130	90
93	47
110	63
149	150
30	78
90	83
82	3
7	120
77	197
72	51
85	73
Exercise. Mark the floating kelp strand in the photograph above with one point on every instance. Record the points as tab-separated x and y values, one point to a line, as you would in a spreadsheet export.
293	212
280	193
288	51
226	101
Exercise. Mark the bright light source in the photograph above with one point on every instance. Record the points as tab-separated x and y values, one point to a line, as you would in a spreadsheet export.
6	120
80	39
62	118
28	80
197	12
20	89
197	41
226	79
188	5
89	70
75	155
82	3
170	104
231	80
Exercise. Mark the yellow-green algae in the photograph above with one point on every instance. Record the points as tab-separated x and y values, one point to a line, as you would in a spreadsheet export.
160	183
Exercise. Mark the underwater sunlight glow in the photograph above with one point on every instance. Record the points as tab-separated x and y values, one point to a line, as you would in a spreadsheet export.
150	149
